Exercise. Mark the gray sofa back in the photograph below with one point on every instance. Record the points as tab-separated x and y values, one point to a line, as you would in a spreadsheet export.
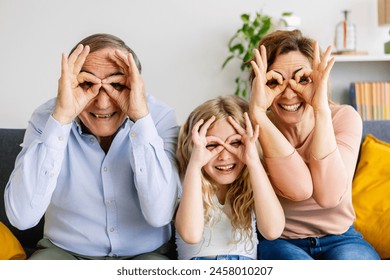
10	140
380	129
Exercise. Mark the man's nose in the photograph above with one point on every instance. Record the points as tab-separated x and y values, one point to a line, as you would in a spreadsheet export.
102	100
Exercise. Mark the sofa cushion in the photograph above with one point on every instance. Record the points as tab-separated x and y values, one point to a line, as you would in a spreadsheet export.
10	248
371	194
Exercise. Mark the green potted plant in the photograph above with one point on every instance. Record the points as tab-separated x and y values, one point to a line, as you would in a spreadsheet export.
243	42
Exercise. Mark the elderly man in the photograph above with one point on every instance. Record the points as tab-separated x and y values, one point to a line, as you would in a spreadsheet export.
98	161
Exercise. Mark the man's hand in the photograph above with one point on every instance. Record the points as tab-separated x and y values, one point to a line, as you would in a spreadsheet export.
75	89
127	90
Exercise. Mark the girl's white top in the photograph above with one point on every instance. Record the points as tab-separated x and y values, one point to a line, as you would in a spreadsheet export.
220	238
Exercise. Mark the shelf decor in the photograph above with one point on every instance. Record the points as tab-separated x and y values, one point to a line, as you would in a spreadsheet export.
384	19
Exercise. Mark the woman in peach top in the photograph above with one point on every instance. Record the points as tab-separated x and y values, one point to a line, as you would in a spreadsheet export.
311	148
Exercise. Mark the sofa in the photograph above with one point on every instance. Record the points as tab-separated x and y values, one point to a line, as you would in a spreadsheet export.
10	140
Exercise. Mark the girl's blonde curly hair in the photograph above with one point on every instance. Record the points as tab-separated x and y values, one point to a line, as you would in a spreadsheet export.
239	194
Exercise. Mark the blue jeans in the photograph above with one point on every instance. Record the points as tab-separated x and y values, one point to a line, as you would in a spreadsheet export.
223	257
347	246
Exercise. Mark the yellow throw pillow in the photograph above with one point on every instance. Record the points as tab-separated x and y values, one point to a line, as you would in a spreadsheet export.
371	194
10	248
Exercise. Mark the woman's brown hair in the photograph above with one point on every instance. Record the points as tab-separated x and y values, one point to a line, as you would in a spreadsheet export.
282	42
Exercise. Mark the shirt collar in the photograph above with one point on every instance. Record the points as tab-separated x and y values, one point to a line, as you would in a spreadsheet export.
77	123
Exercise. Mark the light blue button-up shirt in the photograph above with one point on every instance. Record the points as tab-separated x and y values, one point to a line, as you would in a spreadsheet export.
97	204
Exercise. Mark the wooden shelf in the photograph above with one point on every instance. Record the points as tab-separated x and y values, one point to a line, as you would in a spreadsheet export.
362	58
352	68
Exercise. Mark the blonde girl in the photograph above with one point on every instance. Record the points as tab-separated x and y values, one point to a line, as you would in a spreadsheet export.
226	191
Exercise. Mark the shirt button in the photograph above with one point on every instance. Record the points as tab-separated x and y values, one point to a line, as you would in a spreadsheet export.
105	169
112	229
108	202
91	139
60	138
133	134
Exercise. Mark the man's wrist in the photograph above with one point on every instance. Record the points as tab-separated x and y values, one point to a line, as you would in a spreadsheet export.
62	120
138	115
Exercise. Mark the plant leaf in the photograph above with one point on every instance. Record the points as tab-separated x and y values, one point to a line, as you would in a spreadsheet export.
238	47
247	57
266	26
245	17
242	43
227	60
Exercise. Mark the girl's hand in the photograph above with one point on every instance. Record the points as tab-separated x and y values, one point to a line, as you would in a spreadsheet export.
127	90
247	152
266	85
75	89
204	147
312	84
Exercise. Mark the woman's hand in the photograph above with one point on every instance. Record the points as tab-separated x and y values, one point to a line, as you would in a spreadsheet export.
75	89
265	85
247	151
127	90
312	84
204	147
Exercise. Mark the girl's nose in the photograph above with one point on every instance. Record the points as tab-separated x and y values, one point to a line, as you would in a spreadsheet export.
224	155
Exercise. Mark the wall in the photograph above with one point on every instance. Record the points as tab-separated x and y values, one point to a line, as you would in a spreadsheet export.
181	43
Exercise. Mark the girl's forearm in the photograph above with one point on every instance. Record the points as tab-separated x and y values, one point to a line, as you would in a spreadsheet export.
269	213
189	221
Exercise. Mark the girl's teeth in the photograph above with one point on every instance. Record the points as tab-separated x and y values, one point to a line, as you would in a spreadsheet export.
225	167
291	108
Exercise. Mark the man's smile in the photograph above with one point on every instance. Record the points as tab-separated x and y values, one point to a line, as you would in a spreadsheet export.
103	116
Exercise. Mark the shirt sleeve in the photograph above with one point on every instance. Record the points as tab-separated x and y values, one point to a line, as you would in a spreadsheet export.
156	177
297	176
290	176
335	172
33	180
